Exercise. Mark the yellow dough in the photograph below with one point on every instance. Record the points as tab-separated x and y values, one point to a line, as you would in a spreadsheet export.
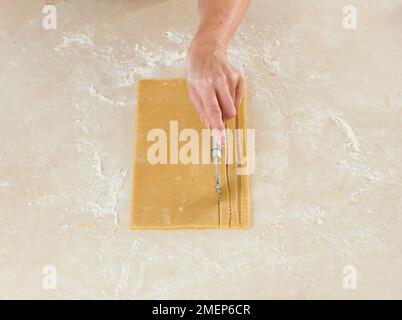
169	196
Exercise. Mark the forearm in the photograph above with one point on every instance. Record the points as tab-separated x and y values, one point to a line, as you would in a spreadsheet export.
215	87
219	19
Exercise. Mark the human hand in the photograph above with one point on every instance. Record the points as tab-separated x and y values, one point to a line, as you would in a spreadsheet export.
215	87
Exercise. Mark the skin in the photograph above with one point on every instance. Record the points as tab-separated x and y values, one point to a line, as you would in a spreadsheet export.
215	87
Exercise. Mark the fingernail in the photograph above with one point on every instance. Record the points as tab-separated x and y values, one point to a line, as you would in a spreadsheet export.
219	136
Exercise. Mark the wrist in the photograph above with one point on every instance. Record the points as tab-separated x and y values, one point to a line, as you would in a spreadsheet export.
207	41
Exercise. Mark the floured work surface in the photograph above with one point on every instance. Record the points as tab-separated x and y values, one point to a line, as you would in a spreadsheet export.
178	194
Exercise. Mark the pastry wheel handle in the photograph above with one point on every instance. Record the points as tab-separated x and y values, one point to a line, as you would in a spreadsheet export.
216	152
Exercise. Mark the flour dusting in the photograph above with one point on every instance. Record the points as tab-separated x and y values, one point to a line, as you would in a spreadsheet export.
351	139
93	91
361	169
125	63
310	214
177	37
69	40
4	184
105	203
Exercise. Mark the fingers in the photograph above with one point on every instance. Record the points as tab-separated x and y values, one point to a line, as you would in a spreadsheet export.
198	105
226	100
213	111
232	77
217	98
239	91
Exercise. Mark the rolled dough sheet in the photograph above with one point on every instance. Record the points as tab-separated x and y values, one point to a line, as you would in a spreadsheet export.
173	196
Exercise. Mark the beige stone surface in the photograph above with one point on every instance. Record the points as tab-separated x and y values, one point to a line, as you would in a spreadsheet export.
327	192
